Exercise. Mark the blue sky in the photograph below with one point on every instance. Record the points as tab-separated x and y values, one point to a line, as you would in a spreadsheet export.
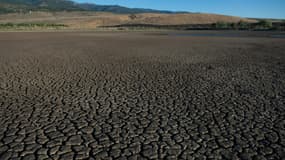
243	8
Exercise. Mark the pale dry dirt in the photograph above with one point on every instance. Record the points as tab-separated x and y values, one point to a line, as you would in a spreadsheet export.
107	95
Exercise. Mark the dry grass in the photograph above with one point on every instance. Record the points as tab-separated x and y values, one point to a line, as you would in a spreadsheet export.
93	20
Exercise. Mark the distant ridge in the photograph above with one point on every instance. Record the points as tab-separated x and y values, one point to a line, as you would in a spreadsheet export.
13	6
89	16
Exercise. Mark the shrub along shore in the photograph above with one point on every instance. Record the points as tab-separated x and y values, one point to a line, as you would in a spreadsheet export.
7	26
262	25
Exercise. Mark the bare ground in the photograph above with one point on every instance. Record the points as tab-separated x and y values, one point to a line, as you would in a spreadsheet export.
107	95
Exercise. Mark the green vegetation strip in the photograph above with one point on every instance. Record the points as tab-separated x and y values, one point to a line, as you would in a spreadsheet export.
31	25
261	25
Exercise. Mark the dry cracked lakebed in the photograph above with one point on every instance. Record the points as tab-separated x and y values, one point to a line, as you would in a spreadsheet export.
127	95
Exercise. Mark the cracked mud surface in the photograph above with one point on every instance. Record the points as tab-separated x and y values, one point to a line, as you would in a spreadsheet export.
136	96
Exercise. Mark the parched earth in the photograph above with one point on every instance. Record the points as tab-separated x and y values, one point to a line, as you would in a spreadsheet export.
104	95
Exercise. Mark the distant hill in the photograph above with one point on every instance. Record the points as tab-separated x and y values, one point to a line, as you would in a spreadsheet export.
11	6
89	16
89	20
14	6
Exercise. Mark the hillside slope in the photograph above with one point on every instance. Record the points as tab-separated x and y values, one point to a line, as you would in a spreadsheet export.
96	19
83	15
14	6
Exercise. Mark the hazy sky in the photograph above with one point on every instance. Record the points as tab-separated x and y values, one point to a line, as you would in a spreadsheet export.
244	8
